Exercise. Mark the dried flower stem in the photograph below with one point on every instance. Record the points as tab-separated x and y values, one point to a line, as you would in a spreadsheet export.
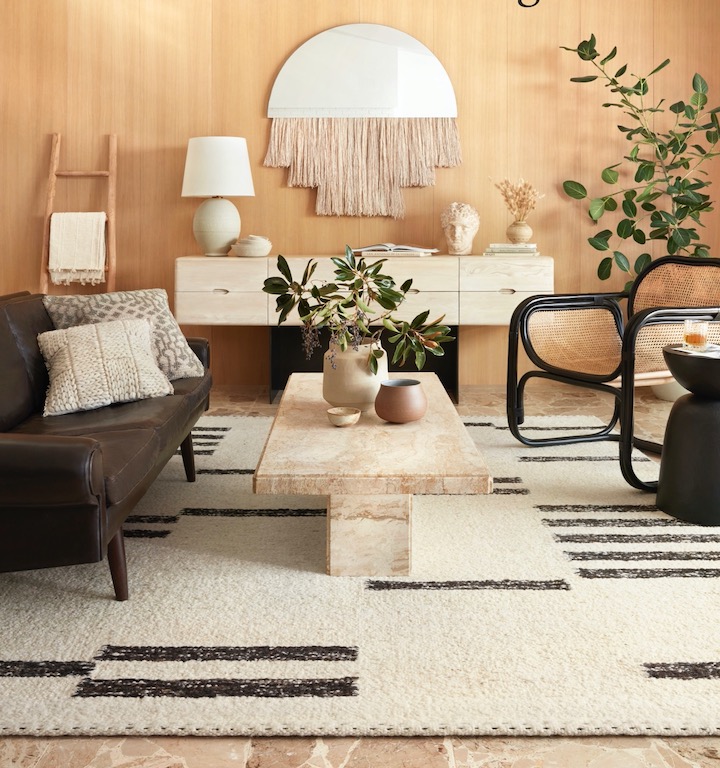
519	198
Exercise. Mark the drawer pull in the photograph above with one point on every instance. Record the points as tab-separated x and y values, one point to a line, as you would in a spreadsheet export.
221	290
507	291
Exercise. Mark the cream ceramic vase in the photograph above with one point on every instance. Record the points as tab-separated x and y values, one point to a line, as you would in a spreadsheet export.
347	378
519	232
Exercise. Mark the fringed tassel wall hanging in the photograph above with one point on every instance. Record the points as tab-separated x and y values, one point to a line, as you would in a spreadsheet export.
359	157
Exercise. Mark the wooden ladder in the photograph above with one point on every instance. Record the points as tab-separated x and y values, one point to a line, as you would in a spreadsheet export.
111	175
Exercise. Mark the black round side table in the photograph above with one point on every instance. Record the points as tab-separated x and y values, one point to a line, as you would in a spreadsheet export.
689	482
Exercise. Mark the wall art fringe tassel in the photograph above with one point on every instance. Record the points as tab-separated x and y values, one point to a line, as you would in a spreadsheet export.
359	165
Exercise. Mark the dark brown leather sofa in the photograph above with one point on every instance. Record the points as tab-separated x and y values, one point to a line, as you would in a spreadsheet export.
67	483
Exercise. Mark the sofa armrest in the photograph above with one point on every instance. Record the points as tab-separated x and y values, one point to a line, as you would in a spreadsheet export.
201	347
49	470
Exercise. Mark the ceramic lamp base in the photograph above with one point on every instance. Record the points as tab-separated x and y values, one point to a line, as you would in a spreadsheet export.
216	226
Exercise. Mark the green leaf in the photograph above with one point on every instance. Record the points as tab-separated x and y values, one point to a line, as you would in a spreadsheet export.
420	358
629	208
645	171
420	319
699	85
600	241
610	204
605	268
699	100
642	262
622	261
610	56
677	108
625	228
619	73
660	66
610	175
597	208
275	285
584	79
373	365
638	236
283	268
575	190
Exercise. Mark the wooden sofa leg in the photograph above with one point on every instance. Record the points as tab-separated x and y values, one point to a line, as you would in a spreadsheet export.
188	457
118	565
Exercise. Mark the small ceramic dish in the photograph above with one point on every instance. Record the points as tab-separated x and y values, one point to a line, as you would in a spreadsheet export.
343	417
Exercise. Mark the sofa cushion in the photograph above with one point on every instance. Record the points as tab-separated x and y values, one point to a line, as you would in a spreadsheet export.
167	416
91	366
172	352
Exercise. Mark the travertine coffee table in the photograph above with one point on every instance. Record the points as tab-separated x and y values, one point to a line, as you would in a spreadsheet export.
368	471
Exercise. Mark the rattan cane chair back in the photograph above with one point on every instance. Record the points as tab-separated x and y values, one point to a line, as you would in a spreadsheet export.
611	342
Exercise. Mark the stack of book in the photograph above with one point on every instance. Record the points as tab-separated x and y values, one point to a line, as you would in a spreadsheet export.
383	249
512	249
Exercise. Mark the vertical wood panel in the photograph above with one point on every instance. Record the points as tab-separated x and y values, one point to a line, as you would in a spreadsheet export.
157	72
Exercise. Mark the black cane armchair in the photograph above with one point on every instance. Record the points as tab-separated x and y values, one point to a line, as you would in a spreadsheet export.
611	342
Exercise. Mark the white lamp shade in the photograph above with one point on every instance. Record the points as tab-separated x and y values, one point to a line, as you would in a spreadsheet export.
217	166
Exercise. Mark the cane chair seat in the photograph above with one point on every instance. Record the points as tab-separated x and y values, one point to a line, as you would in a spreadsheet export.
612	342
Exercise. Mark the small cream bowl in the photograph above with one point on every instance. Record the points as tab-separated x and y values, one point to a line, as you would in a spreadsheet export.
343	417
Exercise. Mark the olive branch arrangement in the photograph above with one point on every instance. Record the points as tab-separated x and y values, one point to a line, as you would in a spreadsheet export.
361	296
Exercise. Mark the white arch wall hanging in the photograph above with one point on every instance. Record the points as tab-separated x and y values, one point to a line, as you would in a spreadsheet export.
360	111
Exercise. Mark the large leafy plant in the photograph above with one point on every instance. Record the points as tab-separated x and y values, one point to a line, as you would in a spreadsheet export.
356	306
668	192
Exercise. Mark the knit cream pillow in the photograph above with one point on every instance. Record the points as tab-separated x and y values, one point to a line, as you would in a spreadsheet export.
172	352
95	365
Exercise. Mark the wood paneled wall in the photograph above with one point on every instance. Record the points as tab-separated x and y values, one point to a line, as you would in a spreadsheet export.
157	72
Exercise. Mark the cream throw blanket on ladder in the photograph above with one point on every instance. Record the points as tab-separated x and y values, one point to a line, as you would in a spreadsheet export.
77	248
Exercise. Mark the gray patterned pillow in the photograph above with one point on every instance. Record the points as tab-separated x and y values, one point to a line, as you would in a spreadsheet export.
172	352
91	366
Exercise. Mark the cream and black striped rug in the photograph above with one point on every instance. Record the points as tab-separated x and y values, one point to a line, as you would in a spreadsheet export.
564	603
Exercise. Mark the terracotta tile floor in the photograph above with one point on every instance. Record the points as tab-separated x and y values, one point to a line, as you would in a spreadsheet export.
556	752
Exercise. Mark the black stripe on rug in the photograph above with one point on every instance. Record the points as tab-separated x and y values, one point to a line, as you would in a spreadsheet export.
527	428
149	519
549	459
197	428
212	688
622	538
649	573
225	471
280	512
606	522
511	481
163	653
510	584
144	533
685	670
644	555
582	508
45	668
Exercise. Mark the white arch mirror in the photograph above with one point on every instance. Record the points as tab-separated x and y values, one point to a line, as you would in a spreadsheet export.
364	98
362	70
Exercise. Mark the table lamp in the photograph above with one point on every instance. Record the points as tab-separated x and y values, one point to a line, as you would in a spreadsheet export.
217	167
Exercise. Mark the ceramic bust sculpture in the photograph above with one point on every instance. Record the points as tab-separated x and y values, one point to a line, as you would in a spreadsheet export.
460	223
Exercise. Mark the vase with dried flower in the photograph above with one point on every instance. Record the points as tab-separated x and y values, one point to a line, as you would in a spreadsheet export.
355	307
520	199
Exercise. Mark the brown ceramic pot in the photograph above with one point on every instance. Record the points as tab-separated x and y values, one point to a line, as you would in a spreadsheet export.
401	400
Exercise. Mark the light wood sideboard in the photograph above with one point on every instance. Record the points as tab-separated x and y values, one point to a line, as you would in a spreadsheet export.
468	290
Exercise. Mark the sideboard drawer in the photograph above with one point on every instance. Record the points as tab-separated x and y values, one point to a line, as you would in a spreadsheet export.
222	290
531	274
221	307
492	286
490	308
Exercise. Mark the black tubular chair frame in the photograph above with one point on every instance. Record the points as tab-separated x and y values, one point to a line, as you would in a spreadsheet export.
623	376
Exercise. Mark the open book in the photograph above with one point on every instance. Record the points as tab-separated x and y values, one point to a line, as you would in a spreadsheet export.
395	248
